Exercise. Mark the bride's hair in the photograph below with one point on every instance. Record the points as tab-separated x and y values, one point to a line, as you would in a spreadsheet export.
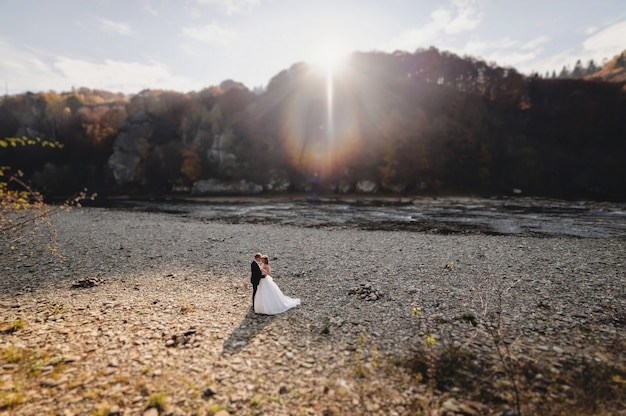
267	259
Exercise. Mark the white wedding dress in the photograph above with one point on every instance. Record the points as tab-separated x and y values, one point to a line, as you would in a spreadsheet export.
269	299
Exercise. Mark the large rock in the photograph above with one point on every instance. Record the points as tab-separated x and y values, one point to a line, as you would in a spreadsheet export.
217	187
220	156
125	159
397	188
366	187
278	181
138	125
130	146
344	187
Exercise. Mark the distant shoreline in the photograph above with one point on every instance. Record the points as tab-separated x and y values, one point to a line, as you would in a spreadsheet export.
333	198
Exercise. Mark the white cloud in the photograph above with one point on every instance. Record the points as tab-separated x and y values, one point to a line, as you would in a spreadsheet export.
602	44
22	69
412	39
512	59
509	52
536	43
25	69
119	28
467	16
231	6
552	63
38	64
461	16
118	75
148	8
212	34
590	30
475	47
607	42
479	48
11	58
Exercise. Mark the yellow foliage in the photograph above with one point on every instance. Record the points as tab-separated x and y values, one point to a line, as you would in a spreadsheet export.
22	209
416	310
429	340
619	380
191	166
25	141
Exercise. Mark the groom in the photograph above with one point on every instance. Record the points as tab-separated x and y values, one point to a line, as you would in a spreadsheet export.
256	276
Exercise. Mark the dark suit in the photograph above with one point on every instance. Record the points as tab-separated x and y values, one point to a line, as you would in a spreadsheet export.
255	278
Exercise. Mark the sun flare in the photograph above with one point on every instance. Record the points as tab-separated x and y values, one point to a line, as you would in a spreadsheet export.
330	56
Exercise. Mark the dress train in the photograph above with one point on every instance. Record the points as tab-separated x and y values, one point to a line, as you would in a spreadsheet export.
269	299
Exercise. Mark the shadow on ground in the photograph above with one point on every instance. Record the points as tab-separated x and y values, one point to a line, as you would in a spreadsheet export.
244	333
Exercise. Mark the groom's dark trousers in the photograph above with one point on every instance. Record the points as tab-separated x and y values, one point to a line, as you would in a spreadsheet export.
255	278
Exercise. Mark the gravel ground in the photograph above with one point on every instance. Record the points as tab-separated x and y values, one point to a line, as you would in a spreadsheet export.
151	309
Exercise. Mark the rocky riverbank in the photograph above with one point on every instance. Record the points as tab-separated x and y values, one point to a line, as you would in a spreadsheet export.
150	313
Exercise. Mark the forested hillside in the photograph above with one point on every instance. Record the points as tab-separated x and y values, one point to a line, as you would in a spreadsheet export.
428	122
614	70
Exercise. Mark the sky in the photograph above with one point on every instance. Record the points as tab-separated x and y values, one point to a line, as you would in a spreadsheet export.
187	45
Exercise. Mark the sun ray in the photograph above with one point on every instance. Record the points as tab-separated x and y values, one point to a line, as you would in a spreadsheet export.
327	115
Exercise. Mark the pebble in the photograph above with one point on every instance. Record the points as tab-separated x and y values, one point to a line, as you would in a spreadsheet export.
129	334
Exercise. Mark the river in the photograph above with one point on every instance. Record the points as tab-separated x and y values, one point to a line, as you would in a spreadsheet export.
446	215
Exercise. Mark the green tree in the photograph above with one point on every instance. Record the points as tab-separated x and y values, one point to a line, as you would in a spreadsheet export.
591	68
578	71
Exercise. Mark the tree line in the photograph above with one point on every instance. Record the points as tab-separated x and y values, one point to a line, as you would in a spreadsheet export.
609	70
428	122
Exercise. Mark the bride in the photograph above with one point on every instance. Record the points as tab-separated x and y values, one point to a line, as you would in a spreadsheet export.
269	299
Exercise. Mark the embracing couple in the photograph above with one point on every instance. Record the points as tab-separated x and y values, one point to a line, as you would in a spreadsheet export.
267	297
